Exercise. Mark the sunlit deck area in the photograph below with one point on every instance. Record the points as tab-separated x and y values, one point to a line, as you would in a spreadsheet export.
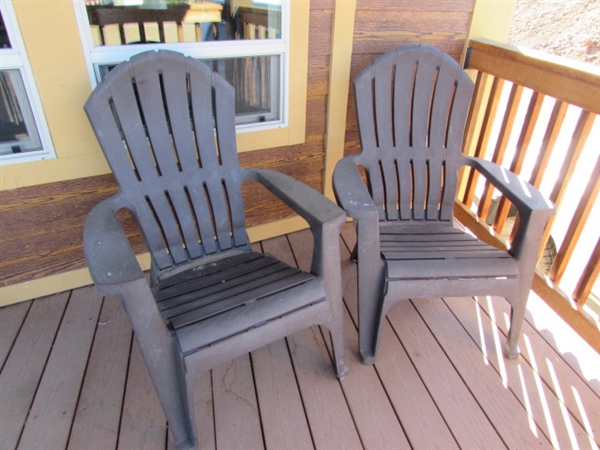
72	377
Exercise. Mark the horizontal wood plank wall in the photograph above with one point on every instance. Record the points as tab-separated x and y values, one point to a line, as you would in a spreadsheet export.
383	25
42	226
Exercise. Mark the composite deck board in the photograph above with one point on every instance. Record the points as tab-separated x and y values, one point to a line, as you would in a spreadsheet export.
328	415
412	408
143	423
60	385
563	380
419	414
467	421
204	407
284	420
499	404
374	416
98	415
24	368
237	418
12	320
525	383
440	380
549	327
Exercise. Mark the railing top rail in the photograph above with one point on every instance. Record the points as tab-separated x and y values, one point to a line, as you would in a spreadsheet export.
566	80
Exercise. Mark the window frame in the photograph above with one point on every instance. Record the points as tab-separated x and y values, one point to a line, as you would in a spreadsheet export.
15	58
114	54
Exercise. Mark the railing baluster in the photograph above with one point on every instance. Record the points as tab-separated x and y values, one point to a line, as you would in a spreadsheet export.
582	213
473	127
508	122
484	136
122	33
555	123
588	277
580	135
529	124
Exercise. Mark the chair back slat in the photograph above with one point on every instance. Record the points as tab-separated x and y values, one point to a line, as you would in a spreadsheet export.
166	124
170	203
412	106
225	127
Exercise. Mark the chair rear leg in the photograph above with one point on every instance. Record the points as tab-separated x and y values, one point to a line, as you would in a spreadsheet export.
336	332
517	315
370	301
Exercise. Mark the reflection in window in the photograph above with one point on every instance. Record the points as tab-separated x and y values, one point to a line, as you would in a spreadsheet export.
119	22
210	31
18	132
4	40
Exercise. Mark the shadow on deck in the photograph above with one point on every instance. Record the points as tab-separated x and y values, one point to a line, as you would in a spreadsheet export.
72	377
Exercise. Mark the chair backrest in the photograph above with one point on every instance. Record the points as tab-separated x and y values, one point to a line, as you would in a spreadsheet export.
412	105
166	124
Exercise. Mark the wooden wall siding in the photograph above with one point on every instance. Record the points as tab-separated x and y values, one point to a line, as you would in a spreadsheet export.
383	25
42	226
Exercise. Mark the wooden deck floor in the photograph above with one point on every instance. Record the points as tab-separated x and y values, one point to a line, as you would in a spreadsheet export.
72	377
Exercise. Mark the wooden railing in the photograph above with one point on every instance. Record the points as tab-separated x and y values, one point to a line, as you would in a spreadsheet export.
536	115
119	25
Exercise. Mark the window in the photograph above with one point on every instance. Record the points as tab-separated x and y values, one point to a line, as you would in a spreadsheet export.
246	41
23	131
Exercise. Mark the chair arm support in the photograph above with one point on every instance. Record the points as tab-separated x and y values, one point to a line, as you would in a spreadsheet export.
107	251
534	209
350	190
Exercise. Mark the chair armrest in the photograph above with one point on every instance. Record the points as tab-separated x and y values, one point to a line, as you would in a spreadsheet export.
107	251
351	192
324	217
534	209
313	206
522	194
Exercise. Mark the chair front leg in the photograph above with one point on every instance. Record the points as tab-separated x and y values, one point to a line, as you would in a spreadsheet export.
161	356
370	289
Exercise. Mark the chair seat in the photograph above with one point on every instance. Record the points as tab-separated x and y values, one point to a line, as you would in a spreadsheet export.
432	251
223	298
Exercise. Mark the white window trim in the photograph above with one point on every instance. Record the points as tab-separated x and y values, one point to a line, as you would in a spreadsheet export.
16	58
96	55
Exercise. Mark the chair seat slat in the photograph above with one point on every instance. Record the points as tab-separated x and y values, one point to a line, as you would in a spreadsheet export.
215	291
269	285
496	268
422	239
446	255
238	320
208	268
412	244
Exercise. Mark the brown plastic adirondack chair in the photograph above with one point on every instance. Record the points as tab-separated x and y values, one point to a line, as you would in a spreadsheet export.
412	105
166	125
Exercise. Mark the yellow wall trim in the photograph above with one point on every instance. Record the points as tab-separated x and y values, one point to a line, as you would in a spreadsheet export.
339	85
